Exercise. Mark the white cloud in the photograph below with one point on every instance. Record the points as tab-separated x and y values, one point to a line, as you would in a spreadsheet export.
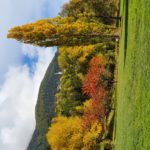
15	12
18	97
18	12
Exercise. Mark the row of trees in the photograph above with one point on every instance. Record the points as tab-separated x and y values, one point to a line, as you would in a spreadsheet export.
81	123
85	34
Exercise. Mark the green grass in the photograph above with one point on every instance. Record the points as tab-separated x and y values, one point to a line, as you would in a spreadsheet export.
133	89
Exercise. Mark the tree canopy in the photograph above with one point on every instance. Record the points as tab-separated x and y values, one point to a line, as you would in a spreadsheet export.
62	31
94	9
71	135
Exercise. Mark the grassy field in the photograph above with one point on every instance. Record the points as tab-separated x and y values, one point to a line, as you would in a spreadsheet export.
133	90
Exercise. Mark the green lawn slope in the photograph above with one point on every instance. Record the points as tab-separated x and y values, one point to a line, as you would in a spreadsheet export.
133	90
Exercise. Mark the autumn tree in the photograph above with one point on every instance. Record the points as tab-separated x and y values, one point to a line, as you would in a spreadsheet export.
81	55
62	31
93	83
101	10
70	93
91	136
74	64
66	133
78	56
92	113
95	87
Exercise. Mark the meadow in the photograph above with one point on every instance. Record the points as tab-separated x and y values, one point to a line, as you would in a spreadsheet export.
133	88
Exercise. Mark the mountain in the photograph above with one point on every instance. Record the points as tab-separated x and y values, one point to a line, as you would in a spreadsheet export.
45	107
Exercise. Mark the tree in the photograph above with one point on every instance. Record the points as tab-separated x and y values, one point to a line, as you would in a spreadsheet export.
68	134
96	9
92	113
91	136
97	84
78	56
93	85
70	93
65	133
62	31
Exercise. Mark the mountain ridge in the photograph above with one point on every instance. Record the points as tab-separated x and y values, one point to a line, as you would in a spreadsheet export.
45	107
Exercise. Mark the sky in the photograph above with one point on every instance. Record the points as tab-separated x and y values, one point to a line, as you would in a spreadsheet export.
22	67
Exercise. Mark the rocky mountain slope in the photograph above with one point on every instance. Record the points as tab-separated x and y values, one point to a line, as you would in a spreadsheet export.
45	107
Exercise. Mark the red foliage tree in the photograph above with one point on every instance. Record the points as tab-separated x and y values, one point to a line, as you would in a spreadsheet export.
93	82
93	86
92	113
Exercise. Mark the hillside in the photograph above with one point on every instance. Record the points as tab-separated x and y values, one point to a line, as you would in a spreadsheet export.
133	100
45	107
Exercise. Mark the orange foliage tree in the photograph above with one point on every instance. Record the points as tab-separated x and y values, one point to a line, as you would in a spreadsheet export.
94	87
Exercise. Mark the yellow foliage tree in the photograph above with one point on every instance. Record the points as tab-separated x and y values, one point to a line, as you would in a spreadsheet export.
65	133
91	136
68	134
62	31
76	54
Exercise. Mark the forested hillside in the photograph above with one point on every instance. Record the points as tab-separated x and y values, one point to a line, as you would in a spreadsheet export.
45	107
77	104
